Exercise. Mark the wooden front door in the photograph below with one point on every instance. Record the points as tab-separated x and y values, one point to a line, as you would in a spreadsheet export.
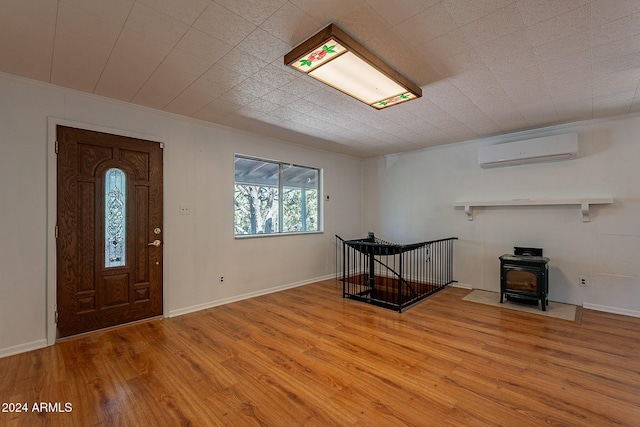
109	236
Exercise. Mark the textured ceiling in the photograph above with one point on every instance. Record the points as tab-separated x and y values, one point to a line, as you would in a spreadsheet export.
486	67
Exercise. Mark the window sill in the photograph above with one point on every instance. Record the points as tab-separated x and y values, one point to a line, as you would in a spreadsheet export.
259	236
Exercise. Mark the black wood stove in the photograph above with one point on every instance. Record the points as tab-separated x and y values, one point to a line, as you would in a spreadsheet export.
524	277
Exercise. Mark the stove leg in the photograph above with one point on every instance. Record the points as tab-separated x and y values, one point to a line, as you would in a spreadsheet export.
501	295
543	302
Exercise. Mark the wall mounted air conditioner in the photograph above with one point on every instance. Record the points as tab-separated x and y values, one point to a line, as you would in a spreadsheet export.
546	149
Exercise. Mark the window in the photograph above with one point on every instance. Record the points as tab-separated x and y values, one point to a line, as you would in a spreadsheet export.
274	197
115	226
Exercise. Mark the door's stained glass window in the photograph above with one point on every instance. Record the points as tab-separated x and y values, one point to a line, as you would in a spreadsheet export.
115	221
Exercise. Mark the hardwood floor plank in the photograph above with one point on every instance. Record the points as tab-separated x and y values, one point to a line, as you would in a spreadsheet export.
306	356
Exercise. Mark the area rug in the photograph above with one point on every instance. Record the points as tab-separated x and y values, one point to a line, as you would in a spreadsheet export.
554	309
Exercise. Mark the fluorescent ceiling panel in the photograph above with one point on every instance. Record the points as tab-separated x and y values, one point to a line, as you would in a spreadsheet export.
334	58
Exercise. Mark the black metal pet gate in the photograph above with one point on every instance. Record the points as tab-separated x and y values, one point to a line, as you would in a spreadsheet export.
392	275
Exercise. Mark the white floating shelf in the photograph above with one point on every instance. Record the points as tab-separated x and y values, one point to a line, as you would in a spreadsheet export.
583	203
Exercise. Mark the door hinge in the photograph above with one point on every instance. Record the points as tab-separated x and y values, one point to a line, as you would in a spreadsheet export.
56	231
56	316
162	145
57	146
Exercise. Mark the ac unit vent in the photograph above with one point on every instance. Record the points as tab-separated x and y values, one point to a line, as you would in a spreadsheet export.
546	149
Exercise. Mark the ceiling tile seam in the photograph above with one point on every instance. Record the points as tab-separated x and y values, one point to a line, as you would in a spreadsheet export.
591	47
193	83
177	19
200	76
461	126
481	109
226	113
53	47
161	62
459	123
376	13
410	42
474	48
115	43
212	101
515	104
416	51
518	107
428	123
153	73
232	12
506	93
393	26
269	17
635	96
557	15
164	59
587	84
553	105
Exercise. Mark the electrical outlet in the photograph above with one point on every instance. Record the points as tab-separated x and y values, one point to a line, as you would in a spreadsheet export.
185	210
221	279
582	281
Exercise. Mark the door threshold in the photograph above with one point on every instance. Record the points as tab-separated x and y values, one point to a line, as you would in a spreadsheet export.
110	328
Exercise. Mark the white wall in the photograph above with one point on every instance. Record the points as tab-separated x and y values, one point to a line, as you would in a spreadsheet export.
198	171
409	198
405	198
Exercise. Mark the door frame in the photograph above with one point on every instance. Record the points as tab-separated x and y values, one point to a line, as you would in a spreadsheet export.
52	212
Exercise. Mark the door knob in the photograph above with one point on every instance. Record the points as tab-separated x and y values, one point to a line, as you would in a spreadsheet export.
155	243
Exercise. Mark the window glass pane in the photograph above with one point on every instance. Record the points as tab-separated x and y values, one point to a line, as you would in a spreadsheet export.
115	227
300	204
312	210
292	212
256	196
275	197
256	209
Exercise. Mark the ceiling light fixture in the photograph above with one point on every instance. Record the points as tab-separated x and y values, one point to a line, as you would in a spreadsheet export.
333	57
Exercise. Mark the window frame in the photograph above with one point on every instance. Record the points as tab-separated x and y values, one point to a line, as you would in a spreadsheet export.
281	164
124	260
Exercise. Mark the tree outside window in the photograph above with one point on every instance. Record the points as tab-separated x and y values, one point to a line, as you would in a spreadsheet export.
274	197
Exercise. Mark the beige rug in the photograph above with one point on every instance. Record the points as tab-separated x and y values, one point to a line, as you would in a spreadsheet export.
554	309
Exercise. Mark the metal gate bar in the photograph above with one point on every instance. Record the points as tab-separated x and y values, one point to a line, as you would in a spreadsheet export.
392	275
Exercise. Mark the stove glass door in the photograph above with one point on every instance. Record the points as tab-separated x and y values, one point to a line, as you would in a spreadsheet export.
522	280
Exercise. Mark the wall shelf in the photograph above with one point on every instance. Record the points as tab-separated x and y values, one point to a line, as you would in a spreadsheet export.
583	203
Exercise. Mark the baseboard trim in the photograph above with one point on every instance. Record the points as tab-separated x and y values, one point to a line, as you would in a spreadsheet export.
461	285
23	348
614	310
216	303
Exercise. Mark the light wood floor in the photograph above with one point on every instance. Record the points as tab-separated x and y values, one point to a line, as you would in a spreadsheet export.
305	357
